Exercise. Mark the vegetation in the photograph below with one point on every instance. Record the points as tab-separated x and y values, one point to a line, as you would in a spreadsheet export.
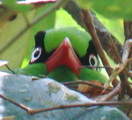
107	22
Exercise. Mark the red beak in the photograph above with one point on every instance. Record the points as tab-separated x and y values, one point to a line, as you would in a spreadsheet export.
64	55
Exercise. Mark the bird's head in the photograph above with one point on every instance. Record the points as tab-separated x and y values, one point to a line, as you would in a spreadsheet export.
64	51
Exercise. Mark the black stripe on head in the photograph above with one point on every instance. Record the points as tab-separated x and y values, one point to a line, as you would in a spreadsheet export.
39	39
39	55
90	51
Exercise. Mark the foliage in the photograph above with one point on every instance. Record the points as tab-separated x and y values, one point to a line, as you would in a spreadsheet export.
20	22
47	93
109	8
55	19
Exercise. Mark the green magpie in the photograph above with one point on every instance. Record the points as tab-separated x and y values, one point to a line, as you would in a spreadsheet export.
61	53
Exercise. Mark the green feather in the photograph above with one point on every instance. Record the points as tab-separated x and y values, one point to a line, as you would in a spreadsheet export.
79	39
89	74
36	69
62	73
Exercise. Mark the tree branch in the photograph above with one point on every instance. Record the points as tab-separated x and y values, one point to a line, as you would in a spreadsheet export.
103	34
111	94
35	111
125	85
128	29
89	23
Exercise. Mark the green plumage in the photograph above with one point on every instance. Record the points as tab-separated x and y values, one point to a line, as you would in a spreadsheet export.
62	73
89	74
79	39
36	69
53	38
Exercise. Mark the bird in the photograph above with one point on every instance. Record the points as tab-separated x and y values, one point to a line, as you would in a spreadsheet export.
60	53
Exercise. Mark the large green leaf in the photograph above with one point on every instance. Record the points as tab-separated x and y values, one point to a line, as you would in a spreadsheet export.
45	93
114	26
11	4
109	8
16	51
64	19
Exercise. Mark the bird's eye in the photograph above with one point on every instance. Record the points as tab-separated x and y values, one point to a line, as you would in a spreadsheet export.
93	60
36	54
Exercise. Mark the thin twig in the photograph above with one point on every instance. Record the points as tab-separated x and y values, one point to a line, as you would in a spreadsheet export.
35	111
105	37
116	54
116	72
89	23
88	66
10	69
87	83
123	75
14	102
33	22
111	94
126	50
4	63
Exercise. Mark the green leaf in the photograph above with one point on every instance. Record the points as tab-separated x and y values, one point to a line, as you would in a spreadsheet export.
47	93
109	8
64	19
22	46
114	26
17	7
